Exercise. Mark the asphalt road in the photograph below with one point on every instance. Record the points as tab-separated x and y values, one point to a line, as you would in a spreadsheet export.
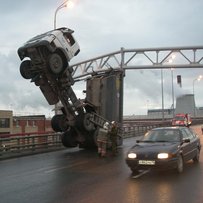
79	176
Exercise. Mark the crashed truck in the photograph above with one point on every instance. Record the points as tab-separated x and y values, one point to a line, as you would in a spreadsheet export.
45	61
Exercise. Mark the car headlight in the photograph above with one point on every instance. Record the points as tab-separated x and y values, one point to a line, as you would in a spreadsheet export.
132	155
163	156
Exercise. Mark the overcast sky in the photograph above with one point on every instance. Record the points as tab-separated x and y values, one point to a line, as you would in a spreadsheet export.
101	27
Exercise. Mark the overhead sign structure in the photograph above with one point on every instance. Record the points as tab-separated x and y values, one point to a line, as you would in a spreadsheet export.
149	58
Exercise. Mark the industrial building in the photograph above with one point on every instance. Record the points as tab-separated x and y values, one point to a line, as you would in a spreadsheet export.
10	124
184	104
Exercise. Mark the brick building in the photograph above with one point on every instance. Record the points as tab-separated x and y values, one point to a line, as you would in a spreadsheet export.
10	124
6	121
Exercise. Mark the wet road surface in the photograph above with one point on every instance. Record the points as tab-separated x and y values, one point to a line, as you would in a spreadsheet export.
80	176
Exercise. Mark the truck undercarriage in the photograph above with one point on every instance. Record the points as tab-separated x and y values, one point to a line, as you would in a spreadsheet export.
78	119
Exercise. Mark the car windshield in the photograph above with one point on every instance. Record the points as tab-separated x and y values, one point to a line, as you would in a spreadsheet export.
179	118
162	135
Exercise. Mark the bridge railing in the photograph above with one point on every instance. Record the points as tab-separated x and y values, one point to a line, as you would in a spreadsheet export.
139	130
19	145
28	144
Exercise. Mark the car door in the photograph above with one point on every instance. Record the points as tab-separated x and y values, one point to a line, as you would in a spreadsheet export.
194	141
188	148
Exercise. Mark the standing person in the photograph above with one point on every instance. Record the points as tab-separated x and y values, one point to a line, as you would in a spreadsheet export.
186	119
113	136
102	139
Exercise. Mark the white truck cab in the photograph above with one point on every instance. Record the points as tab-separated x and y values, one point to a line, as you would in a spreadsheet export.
53	49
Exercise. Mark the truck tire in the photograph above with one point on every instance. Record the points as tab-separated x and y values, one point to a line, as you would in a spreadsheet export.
59	124
88	125
25	69
68	138
56	63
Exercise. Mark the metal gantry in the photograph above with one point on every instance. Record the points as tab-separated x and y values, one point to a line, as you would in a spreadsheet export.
149	58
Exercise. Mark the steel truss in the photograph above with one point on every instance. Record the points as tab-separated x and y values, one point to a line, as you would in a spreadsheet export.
149	58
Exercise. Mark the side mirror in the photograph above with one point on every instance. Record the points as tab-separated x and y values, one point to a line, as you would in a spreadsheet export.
187	140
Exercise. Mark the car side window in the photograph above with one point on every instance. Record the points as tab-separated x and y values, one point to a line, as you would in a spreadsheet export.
184	134
187	134
192	132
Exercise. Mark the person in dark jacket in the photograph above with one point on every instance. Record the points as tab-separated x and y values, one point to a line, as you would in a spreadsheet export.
113	137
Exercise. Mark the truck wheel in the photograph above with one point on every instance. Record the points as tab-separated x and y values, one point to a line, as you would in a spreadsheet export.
25	69
68	138
88	125
58	123
56	63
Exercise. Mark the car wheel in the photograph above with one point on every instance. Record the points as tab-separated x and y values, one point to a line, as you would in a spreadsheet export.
25	69
180	164
196	158
56	64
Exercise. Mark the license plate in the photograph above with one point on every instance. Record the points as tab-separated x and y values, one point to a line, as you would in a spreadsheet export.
146	162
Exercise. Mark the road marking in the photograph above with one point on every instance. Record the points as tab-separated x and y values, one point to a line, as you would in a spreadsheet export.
66	167
141	174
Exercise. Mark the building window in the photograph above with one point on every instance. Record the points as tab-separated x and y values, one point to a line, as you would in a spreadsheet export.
17	123
4	123
33	123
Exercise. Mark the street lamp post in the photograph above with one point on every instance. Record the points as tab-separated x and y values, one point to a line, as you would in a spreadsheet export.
172	89
196	79
64	4
162	94
172	86
169	60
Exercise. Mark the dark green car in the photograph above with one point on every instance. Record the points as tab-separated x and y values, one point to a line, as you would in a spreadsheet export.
164	148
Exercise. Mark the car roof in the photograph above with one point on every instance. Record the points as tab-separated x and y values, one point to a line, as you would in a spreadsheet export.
170	128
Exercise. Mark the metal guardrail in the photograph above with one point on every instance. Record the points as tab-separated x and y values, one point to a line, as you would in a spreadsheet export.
139	130
11	146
